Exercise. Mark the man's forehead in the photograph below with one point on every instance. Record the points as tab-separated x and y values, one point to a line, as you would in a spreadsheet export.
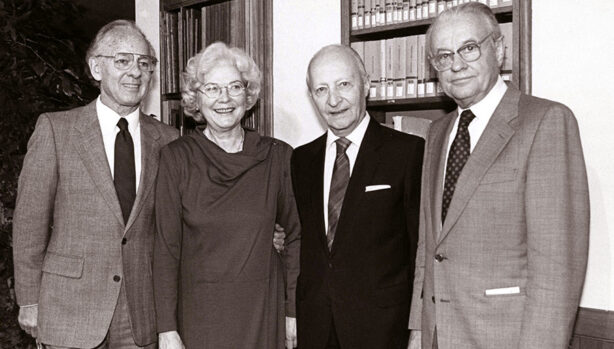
125	40
459	28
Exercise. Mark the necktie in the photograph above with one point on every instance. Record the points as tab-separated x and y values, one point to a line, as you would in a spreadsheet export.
338	185
124	173
459	153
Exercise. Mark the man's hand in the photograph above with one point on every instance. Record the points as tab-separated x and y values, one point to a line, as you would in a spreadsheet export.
291	341
415	339
170	340
279	236
28	319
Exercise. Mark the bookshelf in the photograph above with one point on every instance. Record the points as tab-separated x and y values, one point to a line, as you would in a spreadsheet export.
396	26
187	26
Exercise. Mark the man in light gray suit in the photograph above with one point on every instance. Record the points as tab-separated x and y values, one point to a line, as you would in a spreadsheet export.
504	207
84	222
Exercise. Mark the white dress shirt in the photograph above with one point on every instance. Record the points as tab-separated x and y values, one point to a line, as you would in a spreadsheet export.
108	118
482	110
355	137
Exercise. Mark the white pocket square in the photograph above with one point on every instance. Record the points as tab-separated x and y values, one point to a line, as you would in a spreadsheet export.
376	187
502	291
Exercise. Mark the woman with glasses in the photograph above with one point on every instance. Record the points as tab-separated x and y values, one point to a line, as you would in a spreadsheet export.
218	281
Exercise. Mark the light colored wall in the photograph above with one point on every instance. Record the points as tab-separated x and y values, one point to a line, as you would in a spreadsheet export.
147	16
300	29
572	63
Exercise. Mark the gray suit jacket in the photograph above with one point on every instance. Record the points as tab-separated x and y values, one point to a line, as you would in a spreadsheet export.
506	269
74	269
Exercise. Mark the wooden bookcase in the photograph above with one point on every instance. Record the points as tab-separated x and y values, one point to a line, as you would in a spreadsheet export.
515	12
187	26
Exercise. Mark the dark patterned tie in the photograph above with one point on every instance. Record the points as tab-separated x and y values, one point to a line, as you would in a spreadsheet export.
459	153
338	185
124	175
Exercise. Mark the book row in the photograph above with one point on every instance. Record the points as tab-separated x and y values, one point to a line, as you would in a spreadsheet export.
373	13
399	68
184	33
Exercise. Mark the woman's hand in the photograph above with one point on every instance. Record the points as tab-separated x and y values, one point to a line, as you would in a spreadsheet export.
170	340
279	236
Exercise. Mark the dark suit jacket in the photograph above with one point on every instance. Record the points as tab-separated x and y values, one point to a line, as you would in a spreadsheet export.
507	267
70	271
365	282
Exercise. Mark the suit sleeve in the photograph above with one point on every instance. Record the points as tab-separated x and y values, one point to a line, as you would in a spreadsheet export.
415	230
287	217
34	210
557	218
167	246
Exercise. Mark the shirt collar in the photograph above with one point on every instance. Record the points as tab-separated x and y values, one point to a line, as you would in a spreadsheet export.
108	118
355	136
486	107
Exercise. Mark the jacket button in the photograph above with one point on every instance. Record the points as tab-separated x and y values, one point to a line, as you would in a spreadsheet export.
124	241
116	278
330	265
433	299
439	258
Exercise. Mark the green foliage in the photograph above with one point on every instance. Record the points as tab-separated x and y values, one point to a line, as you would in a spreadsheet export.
42	68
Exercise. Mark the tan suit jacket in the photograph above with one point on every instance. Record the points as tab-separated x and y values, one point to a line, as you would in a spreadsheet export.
74	270
506	269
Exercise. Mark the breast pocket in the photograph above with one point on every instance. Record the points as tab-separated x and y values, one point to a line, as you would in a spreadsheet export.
499	180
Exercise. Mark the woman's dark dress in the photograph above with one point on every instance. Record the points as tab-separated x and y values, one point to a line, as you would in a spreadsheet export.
217	278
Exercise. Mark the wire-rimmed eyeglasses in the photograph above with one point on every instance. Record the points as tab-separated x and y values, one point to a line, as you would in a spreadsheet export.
212	90
125	61
469	52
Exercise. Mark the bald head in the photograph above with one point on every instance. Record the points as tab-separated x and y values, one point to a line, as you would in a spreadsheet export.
338	52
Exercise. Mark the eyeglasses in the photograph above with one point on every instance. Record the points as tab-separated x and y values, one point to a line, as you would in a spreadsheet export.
469	53
125	61
342	86
211	90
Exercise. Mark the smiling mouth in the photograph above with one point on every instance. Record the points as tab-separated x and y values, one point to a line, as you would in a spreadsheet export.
337	112
224	110
132	86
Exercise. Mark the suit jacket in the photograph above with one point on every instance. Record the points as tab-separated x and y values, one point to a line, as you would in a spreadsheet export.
506	268
365	282
75	269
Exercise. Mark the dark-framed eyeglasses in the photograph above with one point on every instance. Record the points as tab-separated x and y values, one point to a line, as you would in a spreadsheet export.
125	61
469	52
212	90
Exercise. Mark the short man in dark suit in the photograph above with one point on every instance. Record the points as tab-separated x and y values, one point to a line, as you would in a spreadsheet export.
357	189
505	204
89	173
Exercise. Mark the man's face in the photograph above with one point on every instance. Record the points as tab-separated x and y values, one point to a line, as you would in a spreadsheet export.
338	91
467	82
121	90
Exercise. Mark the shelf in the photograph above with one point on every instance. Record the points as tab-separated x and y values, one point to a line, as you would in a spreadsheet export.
503	14
171	5
171	96
423	103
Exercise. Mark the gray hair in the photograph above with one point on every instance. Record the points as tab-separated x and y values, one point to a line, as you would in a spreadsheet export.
483	12
346	50
109	29
205	61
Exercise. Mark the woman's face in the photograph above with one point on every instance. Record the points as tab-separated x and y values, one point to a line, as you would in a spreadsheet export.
222	98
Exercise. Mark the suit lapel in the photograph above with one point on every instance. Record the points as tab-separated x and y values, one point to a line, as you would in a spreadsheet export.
149	165
315	182
90	147
364	168
437	149
494	138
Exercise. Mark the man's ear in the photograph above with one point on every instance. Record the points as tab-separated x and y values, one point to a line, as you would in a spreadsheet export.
500	50
95	68
367	84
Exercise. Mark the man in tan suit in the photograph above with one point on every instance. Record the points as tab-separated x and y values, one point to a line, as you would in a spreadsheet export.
83	229
504	207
